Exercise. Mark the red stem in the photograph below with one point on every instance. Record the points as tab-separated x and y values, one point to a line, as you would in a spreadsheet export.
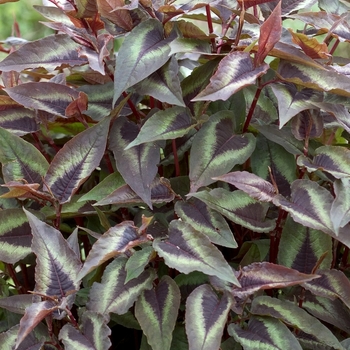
331	51
252	108
176	159
210	27
11	271
132	107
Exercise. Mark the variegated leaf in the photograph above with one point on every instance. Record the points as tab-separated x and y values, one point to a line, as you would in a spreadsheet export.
206	317
188	250
216	149
238	207
15	236
265	333
20	159
156	310
143	52
17	303
116	240
137	165
113	294
166	124
76	161
86	8
296	317
205	220
235	71
57	265
50	52
340	209
94	333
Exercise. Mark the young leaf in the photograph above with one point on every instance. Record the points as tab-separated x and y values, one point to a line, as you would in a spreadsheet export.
216	149
94	333
116	240
235	71
122	18
206	316
156	310
251	184
50	52
238	207
113	294
76	161
143	51
261	276
57	265
15	236
188	250
50	97
167	124
270	34
137	165
264	333
207	221
20	159
295	316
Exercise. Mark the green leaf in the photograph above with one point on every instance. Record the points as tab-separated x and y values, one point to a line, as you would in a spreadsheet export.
340	209
137	262
113	294
156	310
238	207
264	333
143	52
163	85
332	159
57	265
216	149
235	71
116	240
137	165
206	317
93	334
50	52
167	124
20	159
76	161
188	250
301	247
296	317
15	236
207	221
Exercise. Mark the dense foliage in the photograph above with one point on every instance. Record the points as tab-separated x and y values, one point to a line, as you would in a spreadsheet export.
176	175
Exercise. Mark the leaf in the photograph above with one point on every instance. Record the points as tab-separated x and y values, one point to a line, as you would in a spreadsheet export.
57	265
156	310
235	71
206	316
264	275
238	207
86	8
340	209
15	236
137	262
76	161
296	317
270	34
137	165
113	294
143	52
332	284
307	125
302	249
264	333
166	124
118	239
164	84
94	333
122	18
216	149
188	250
289	6
17	303
250	3
34	314
50	97
20	160
50	52
207	221
332	159
251	184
